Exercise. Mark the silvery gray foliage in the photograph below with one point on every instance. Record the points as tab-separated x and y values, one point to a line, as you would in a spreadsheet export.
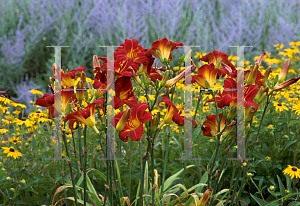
86	24
24	96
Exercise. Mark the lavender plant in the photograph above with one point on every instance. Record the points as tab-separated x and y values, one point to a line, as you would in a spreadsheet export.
28	26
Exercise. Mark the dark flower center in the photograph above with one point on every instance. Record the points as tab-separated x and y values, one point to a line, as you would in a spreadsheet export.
15	140
294	169
279	104
11	149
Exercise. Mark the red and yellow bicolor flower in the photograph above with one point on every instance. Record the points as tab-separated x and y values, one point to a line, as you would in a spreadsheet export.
172	114
68	79
123	67
214	57
134	122
86	116
164	47
48	100
207	72
211	125
131	49
124	93
229	98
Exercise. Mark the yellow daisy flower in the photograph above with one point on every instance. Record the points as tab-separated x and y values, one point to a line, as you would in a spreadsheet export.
279	107
279	46
34	91
12	152
292	171
15	140
296	43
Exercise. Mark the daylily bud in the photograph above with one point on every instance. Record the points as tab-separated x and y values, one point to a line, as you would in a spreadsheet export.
80	91
284	71
157	83
267	73
205	197
83	78
165	78
253	74
137	80
275	80
91	87
232	113
145	80
154	124
262	99
96	62
258	94
160	56
122	122
285	84
86	94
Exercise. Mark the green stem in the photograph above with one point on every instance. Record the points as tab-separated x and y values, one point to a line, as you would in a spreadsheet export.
143	170
129	181
165	164
84	168
235	186
152	168
70	167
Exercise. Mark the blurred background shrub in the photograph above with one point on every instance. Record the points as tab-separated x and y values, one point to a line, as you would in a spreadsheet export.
28	26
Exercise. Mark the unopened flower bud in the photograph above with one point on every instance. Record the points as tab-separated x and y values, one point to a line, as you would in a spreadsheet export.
145	80
165	78
272	188
29	139
284	71
8	178
154	124
23	181
12	189
122	122
137	80
205	197
83	78
80	91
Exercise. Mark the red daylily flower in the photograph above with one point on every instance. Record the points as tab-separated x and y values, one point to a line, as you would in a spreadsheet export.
214	57
149	70
131	49
86	116
134	125
123	67
101	88
164	46
68	79
211	124
206	72
124	93
47	101
173	115
229	98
